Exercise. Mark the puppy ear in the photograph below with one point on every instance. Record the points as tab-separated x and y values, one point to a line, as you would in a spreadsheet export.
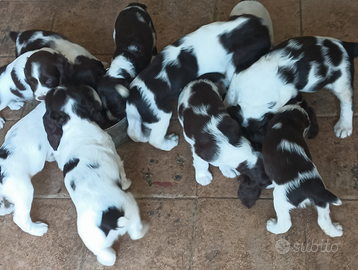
314	128
53	122
65	69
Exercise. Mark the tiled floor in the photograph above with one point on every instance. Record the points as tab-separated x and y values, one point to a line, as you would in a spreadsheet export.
191	227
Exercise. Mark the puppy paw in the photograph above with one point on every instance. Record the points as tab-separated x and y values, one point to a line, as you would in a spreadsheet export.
107	257
336	230
16	105
273	227
126	183
139	231
2	122
170	142
342	129
38	228
204	179
229	172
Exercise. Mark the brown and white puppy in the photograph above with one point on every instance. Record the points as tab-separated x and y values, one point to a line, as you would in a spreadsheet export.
294	176
215	138
135	39
31	75
93	171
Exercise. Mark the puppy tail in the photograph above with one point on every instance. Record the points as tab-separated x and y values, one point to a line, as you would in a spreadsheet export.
316	191
14	35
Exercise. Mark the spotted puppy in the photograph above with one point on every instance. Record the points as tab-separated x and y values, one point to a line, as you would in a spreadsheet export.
31	74
219	47
20	161
304	64
215	138
87	69
135	39
295	178
93	171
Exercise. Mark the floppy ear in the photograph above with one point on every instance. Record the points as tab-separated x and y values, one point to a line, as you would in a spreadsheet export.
65	69
249	191
53	122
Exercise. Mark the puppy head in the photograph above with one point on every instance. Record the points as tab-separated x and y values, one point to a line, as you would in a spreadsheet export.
249	191
65	102
46	69
87	71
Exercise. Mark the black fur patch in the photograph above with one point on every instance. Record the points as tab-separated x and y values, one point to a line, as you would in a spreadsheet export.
87	71
4	153
93	165
16	81
2	176
73	185
110	219
17	93
70	165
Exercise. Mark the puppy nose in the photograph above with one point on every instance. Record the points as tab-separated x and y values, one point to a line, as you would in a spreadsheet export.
41	98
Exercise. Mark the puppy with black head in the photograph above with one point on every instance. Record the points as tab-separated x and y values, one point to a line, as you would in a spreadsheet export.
215	138
135	39
31	75
294	176
93	171
302	64
22	155
87	69
219	47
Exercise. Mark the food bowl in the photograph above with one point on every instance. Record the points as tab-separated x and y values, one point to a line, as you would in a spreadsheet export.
118	132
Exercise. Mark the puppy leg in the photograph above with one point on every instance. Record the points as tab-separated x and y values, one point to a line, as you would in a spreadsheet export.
20	193
202	174
125	182
2	122
16	105
229	172
325	222
134	129
4	210
343	128
157	136
282	207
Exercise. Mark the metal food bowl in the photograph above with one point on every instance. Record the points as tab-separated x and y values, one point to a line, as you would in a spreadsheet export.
118	132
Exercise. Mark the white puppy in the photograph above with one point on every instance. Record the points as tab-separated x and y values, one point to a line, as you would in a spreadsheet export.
93	171
23	155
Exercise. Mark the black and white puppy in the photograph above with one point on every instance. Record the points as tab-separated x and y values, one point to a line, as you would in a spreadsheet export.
87	69
294	176
135	39
23	155
219	47
31	74
93	171
304	64
215	138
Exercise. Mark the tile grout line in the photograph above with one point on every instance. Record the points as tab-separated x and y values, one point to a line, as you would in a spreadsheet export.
301	23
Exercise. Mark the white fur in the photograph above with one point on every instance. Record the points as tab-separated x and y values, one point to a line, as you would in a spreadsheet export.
28	150
95	192
255	88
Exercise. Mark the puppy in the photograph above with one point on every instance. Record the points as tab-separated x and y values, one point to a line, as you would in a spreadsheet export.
215	138
219	47
295	178
23	155
303	64
93	171
87	69
135	39
31	74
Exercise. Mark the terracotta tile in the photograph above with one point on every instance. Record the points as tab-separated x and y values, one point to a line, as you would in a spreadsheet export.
336	159
334	253
59	248
89	23
159	173
167	245
5	129
49	183
285	16
227	236
20	16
